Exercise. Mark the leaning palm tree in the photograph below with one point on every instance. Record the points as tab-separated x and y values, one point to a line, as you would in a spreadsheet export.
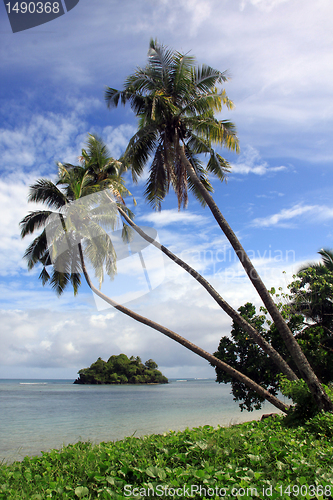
75	229
103	170
176	103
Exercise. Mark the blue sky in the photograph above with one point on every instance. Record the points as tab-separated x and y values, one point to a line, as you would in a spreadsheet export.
278	197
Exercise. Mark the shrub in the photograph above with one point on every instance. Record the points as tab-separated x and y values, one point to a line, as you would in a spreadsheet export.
305	407
321	425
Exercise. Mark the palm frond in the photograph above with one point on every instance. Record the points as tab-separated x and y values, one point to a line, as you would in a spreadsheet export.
127	233
161	61
198	145
44	276
157	185
112	97
100	252
75	280
218	166
205	78
33	221
44	191
59	281
221	132
327	256
96	149
183	64
179	182
36	250
139	149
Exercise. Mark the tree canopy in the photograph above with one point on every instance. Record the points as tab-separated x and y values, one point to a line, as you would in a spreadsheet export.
308	311
121	370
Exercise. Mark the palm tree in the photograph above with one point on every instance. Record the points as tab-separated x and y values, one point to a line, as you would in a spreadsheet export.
176	104
73	240
313	290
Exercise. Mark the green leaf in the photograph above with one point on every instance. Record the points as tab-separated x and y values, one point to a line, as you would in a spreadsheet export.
156	472
81	491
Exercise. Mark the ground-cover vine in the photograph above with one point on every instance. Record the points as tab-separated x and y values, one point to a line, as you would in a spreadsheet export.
251	460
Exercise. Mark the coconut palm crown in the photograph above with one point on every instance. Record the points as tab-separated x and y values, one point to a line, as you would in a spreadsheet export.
81	209
175	102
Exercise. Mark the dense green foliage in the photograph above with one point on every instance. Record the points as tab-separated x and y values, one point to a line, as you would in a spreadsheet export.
305	407
308	311
121	370
259	455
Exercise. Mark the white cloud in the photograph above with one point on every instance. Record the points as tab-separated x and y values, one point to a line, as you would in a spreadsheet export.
13	206
250	162
72	338
39	140
317	213
172	216
76	338
271	194
265	5
199	12
117	138
100	320
278	52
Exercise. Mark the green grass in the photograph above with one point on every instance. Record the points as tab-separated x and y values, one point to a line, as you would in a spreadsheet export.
251	455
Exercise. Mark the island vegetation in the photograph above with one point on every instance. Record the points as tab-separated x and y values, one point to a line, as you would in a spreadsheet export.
121	370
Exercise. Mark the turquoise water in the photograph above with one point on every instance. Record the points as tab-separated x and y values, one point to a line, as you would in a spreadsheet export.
38	415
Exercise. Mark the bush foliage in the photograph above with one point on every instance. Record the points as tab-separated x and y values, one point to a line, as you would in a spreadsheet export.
250	457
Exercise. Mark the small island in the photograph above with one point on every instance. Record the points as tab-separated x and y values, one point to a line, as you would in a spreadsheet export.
121	370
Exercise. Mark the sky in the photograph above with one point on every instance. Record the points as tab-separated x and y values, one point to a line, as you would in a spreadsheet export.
278	196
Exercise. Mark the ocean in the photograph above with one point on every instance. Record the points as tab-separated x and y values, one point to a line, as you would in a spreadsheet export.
39	415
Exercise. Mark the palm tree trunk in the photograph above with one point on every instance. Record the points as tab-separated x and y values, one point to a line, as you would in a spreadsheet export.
320	396
266	347
186	343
